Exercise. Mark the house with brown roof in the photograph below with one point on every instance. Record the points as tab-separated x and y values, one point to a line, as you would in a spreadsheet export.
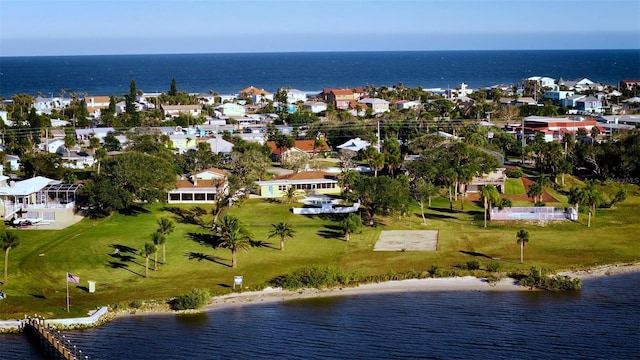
176	110
96	103
257	95
307	146
202	187
341	99
306	182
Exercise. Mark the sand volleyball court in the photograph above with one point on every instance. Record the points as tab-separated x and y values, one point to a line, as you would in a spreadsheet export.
407	240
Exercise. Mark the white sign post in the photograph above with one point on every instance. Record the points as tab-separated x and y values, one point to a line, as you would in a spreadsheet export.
237	280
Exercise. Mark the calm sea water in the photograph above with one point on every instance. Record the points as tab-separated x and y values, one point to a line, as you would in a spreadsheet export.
600	322
229	73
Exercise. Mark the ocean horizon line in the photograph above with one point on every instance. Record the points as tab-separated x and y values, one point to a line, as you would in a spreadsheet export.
318	52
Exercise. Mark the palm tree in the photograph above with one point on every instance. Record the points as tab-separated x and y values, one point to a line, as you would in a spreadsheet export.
491	196
535	191
575	197
147	250
165	227
282	229
9	241
593	198
99	155
346	181
350	224
158	239
289	195
233	236
522	238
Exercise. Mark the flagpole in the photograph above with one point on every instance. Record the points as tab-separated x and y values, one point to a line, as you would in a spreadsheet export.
66	280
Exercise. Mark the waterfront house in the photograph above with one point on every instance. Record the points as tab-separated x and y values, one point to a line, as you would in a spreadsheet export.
543	81
295	95
202	187
96	103
308	182
407	104
37	198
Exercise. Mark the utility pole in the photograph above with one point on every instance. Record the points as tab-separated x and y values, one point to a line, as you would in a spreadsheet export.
378	134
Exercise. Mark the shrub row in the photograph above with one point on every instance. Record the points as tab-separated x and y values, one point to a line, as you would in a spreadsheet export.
195	299
540	279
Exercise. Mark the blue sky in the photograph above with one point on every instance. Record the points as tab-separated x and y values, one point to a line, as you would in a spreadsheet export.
72	27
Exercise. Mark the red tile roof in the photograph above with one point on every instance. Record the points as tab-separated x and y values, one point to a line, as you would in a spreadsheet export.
307	175
302	145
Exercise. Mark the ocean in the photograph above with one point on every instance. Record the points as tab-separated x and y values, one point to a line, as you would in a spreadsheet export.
306	71
601	321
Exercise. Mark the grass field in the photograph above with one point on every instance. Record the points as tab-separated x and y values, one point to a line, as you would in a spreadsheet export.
37	267
514	187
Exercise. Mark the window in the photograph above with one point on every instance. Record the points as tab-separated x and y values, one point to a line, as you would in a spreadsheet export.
199	197
211	196
187	197
282	187
174	197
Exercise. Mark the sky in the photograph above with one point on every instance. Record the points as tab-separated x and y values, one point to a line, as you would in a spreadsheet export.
97	27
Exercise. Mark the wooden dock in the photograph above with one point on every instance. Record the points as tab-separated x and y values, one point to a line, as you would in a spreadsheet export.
53	344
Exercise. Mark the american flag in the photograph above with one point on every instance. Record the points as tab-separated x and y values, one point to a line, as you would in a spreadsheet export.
73	279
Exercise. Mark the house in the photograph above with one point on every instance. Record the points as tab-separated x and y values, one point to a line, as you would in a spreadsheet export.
308	146
543	81
377	105
341	99
37	198
526	101
96	103
294	95
219	145
571	101
496	178
557	96
52	146
553	129
202	187
315	106
628	84
176	110
232	110
356	145
256	95
407	104
182	142
460	92
13	161
590	104
311	182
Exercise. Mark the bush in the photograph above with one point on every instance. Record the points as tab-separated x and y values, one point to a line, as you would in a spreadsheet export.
514	173
196	299
493	266
471	265
539	278
312	277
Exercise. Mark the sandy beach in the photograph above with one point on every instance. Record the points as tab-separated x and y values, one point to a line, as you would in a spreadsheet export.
467	283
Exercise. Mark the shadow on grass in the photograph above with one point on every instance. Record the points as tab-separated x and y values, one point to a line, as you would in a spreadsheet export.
38	296
224	285
262	244
83	288
205	239
201	256
118	265
122	249
134	210
473	253
188	216
435	216
331	232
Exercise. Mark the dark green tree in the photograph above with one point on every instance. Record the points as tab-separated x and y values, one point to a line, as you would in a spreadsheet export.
282	230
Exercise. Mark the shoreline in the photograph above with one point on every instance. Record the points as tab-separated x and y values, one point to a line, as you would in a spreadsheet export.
274	295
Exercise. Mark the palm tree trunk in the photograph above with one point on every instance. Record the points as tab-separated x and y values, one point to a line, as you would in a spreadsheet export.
485	212
146	266
450	199
6	264
347	235
521	251
424	220
164	258
233	258
155	260
281	242
589	221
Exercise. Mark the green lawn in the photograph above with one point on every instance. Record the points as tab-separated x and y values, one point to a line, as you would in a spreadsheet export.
37	267
514	187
